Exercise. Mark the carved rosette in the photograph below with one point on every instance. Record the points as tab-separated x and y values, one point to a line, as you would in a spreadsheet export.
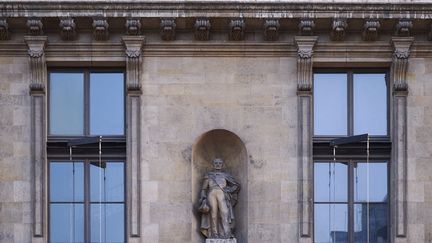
236	29
271	29
338	29
304	62
403	28
370	29
67	28
4	29
168	29
202	29
35	26
133	26
36	48
306	27
100	29
399	68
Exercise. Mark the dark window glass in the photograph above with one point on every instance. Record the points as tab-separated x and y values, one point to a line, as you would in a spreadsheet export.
66	104
331	182
370	104
378	223
107	223
376	189
67	222
106	182
331	223
106	104
66	182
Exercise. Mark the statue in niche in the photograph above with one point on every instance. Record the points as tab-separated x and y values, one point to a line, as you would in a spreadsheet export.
218	197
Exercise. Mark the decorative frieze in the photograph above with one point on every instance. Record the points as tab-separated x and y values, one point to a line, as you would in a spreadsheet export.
67	28
168	29
306	27
236	29
35	26
133	26
271	29
403	28
100	29
338	29
370	29
4	29
202	29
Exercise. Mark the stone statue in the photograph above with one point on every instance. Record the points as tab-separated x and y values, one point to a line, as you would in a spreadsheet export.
218	198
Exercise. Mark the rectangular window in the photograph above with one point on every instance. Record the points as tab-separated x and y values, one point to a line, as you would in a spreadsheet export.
86	102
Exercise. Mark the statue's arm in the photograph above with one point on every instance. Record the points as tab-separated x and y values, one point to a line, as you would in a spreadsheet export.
204	187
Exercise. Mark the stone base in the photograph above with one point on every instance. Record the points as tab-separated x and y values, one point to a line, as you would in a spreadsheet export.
232	240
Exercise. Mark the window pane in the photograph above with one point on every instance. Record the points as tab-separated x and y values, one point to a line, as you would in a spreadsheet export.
378	223
106	104
66	182
330	104
377	182
107	182
370	104
331	223
107	223
67	223
66	104
330	182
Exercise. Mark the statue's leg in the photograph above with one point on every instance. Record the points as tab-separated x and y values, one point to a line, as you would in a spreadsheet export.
212	200
224	212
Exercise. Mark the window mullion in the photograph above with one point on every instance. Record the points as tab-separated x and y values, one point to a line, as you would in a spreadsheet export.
87	201
351	201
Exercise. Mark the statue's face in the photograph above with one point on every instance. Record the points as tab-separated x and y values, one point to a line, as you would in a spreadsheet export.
218	164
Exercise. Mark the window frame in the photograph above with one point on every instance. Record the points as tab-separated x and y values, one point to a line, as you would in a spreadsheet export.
86	104
350	100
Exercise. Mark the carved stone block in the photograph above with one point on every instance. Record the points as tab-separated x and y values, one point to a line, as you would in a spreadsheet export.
237	27
271	29
306	26
100	29
202	29
338	29
67	29
4	29
35	26
133	26
403	28
370	29
168	29
233	240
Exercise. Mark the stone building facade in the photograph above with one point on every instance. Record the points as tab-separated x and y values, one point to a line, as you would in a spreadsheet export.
214	78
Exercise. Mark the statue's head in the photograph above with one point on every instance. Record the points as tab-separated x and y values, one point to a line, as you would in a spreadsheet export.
218	163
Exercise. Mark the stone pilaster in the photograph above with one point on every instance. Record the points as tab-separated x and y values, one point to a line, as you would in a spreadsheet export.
305	46
36	46
133	45
399	155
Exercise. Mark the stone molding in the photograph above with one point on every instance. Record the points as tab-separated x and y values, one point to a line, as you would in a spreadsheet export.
236	29
35	26
202	29
133	46
133	26
4	29
401	46
36	46
305	45
100	29
67	29
370	29
338	29
306	26
168	29
271	29
403	28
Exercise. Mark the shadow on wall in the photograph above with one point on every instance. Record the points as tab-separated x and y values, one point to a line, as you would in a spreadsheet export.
223	144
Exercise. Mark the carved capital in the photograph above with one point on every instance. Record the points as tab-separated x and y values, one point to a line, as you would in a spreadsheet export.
67	28
36	47
306	26
305	45
168	29
271	29
370	29
35	26
338	29
4	29
133	26
202	29
100	28
236	29
403	28
401	46
133	46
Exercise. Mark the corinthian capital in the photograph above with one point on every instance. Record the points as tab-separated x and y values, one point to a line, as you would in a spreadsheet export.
305	45
401	46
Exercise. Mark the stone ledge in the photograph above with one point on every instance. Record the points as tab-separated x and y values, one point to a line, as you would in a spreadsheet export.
233	240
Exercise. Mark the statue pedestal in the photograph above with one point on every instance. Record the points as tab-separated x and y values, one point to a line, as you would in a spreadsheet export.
232	240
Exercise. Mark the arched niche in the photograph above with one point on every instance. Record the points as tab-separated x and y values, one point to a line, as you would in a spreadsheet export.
228	146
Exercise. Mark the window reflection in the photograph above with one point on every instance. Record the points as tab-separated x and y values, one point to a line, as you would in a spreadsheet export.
378	223
330	182
331	223
107	223
67	182
106	182
67	223
377	175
